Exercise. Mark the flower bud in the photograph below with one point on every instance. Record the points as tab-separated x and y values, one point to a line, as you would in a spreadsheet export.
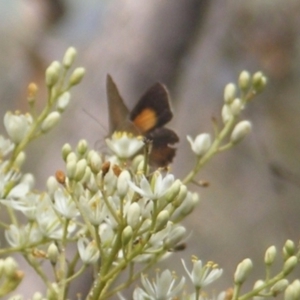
126	235
69	57
63	101
80	169
32	90
82	147
52	185
71	168
289	249
72	157
201	144
95	161
37	296
20	159
52	253
52	74
279	287
10	267
173	191
244	81
258	284
242	271
289	265
122	183
292	292
66	150
270	255
259	82
133	214
226	113
236	107
50	121
181	196
175	236
137	161
161	220
76	76
240	130
229	93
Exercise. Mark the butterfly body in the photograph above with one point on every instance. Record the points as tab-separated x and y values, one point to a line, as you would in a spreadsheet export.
147	118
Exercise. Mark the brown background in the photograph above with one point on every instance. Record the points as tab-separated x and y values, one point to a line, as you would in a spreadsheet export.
195	47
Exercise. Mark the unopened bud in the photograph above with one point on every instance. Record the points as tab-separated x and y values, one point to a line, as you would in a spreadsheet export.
229	93
133	214
69	57
52	74
71	168
161	220
50	121
292	292
82	147
20	159
279	287
289	249
236	106
37	296
226	113
80	169
242	271
289	265
240	130
181	196
126	235
10	267
257	285
270	255
52	183
95	161
122	183
31	92
76	76
63	101
259	81
244	81
66	150
53	253
175	237
173	191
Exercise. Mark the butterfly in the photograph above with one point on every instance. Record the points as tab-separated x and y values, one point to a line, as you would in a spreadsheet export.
147	118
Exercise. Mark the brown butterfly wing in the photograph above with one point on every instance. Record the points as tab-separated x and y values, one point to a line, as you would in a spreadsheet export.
117	110
153	109
162	153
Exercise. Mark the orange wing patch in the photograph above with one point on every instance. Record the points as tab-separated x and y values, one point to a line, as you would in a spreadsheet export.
146	120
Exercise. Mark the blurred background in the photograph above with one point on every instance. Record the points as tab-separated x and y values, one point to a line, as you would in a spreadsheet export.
195	47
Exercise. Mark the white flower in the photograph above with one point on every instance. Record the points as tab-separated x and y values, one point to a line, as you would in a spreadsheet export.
17	125
23	236
124	145
202	276
201	144
94	208
65	205
88	251
6	146
161	186
49	223
162	288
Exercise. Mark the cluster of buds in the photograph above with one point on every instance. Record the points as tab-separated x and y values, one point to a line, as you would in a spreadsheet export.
115	210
